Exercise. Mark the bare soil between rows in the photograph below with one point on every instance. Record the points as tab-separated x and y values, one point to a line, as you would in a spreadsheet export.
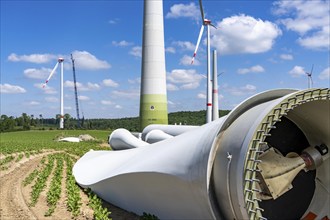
15	198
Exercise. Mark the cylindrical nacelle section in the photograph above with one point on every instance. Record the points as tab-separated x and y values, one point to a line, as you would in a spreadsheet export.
267	159
289	125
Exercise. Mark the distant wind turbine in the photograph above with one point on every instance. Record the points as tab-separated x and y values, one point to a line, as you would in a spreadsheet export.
206	23
309	78
60	60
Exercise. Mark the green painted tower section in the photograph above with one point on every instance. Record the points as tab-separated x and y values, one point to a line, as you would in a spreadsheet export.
153	96
153	110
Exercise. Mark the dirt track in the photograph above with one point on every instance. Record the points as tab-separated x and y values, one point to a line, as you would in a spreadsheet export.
12	203
15	198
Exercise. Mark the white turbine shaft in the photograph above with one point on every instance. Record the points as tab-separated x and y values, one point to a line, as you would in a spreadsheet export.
50	75
60	60
197	44
153	99
215	99
209	84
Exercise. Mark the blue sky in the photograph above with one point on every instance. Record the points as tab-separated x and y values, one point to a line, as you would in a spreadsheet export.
261	45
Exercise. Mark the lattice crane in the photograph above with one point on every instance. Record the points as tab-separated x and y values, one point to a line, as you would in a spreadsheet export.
75	90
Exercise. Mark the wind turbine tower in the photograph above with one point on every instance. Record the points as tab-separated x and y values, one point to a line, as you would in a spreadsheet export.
59	61
309	78
215	96
153	97
207	23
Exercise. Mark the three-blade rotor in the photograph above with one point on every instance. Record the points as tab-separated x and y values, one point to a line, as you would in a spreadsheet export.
205	23
309	75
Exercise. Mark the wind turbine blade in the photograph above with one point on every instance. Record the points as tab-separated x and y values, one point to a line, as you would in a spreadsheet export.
202	11
197	45
312	69
50	75
213	26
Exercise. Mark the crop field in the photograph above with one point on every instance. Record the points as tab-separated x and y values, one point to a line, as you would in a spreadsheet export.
36	180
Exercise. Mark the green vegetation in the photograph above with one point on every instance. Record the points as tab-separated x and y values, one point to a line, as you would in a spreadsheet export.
61	155
26	122
148	216
6	160
54	193
34	141
40	183
73	190
95	202
191	118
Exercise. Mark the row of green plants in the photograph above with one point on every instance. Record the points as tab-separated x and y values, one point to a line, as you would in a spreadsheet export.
73	191
57	164
54	193
100	212
54	167
41	181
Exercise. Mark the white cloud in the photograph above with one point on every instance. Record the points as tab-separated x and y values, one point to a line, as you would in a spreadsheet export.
317	40
201	96
325	74
170	49
47	89
106	102
136	51
171	87
85	60
51	99
131	94
83	98
286	57
82	87
32	58
33	73
310	19
122	43
183	76
114	21
184	10
70	84
93	86
244	34
185	45
33	103
188	79
252	69
118	107
186	61
248	89
11	89
297	71
192	85
110	83
134	81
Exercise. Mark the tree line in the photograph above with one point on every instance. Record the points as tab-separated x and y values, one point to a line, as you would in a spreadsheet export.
27	122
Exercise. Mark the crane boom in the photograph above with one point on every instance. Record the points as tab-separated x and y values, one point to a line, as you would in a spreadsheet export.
75	90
